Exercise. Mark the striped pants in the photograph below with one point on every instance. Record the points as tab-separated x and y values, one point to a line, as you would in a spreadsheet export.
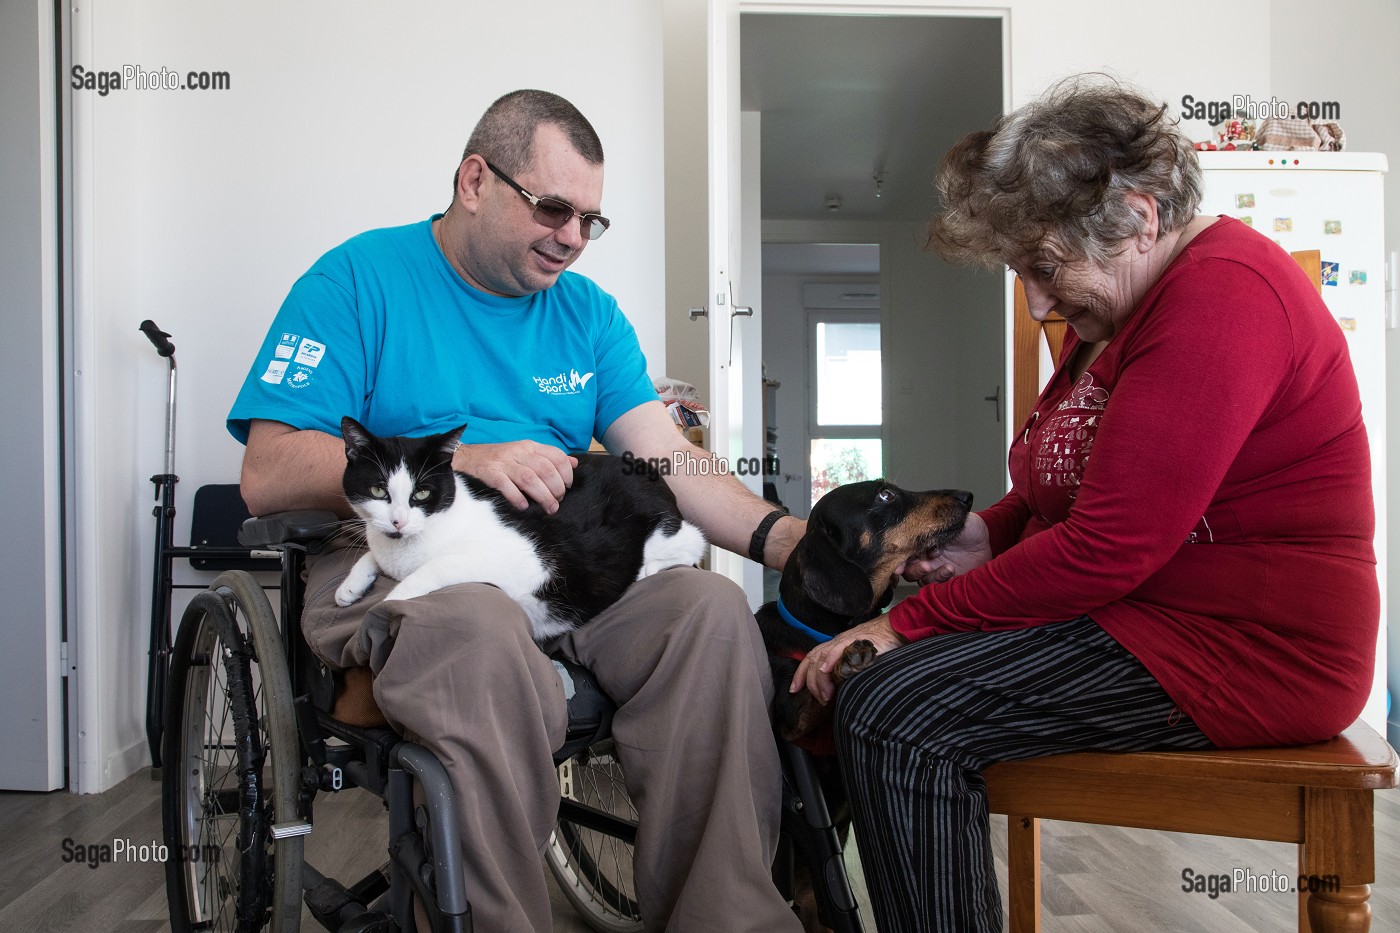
915	731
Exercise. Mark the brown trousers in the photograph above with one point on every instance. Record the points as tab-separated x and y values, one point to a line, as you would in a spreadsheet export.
457	671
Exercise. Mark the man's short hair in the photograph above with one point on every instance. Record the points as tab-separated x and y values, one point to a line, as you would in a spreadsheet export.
505	134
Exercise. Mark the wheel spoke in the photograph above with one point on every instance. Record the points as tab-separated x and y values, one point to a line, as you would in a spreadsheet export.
594	869
231	766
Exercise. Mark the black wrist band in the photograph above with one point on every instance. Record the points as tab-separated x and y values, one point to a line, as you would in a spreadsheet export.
760	534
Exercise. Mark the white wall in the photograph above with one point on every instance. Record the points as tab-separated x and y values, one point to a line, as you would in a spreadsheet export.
199	209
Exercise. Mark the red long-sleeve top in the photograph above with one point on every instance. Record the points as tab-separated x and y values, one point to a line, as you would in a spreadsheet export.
1203	493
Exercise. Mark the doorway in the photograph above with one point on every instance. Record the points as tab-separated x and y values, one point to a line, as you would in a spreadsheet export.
856	111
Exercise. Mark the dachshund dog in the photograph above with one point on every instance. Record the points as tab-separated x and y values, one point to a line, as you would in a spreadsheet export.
842	573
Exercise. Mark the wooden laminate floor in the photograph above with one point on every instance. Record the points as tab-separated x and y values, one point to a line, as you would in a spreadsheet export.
1097	879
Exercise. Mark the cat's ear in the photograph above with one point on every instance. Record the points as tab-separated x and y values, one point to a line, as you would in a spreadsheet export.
450	441
357	437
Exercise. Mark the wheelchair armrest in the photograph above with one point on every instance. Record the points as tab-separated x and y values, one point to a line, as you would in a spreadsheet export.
305	528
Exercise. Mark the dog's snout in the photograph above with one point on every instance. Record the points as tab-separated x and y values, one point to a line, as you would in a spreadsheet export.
963	496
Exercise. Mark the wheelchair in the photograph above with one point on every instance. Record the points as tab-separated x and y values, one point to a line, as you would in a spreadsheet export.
249	742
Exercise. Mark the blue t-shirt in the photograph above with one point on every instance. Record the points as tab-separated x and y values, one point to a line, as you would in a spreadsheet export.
383	329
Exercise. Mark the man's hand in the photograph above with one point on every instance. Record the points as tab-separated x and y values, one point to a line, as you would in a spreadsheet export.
520	470
817	672
971	548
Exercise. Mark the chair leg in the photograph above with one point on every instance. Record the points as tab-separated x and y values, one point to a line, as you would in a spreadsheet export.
1338	859
1347	910
1304	925
1023	872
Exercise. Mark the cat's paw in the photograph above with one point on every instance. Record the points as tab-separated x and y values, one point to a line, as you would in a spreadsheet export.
349	593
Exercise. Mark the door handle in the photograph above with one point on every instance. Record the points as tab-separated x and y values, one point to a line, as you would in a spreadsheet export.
995	398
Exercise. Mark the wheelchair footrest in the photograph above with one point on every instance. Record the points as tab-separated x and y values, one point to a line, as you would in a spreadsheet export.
330	902
370	923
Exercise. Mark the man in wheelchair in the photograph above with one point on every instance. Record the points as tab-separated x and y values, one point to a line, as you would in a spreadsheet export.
470	316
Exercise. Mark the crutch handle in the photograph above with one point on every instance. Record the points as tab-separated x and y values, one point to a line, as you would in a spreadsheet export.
159	338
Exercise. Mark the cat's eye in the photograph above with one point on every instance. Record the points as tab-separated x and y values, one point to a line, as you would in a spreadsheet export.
379	492
420	495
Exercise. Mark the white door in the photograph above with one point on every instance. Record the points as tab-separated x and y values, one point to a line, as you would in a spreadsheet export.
31	683
735	325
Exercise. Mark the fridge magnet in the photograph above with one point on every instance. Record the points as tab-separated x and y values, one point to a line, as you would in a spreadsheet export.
1357	277
1348	324
1330	271
1247	220
1244	200
1331	227
1283	224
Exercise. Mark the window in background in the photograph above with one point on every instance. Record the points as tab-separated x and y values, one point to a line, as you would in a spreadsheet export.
847	400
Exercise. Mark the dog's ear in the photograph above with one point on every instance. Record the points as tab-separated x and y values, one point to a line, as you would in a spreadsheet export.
830	578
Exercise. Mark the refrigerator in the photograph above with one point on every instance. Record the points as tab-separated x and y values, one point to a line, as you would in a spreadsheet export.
1331	202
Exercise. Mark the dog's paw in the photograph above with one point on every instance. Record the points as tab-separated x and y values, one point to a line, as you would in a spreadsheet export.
857	657
803	715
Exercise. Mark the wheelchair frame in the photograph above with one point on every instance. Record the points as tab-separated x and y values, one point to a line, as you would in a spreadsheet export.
243	747
218	790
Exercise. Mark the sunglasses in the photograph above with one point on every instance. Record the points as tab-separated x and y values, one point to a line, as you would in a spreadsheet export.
553	213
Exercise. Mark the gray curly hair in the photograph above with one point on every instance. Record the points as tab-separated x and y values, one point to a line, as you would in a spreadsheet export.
1058	168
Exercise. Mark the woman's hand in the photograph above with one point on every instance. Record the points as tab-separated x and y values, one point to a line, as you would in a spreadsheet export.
520	470
971	548
817	672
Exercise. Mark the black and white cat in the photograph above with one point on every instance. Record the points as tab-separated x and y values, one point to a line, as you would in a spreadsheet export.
429	527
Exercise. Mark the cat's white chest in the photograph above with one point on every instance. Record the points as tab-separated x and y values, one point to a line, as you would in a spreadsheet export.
465	543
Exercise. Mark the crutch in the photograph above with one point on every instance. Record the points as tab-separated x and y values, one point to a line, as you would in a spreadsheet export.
158	662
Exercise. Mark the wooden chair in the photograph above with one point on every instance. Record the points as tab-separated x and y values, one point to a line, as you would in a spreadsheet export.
1316	796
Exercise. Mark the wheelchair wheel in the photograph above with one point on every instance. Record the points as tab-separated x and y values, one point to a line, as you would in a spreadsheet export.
594	869
231	764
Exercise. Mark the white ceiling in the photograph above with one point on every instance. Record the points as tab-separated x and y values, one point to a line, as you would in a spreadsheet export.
845	96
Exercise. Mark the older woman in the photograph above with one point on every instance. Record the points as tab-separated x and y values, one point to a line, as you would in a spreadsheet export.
1185	557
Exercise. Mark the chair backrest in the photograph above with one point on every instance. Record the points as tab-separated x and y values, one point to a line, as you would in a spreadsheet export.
218	513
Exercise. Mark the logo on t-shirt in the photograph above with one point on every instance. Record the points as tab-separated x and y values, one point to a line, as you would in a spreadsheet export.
309	353
300	377
571	384
294	359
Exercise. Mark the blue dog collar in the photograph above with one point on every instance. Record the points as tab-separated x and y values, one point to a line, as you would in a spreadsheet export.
791	620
